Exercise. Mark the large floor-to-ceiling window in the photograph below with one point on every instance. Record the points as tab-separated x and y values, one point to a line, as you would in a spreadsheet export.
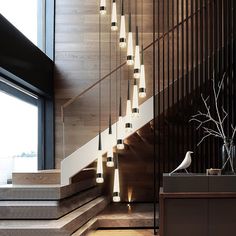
18	131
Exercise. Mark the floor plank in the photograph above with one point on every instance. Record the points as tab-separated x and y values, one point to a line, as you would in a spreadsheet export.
121	232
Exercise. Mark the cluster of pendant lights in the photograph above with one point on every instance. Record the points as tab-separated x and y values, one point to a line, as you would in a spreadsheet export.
139	90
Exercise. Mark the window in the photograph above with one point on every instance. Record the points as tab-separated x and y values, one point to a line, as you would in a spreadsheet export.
23	15
18	132
35	19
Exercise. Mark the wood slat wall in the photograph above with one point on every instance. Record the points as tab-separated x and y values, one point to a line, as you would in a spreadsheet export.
213	53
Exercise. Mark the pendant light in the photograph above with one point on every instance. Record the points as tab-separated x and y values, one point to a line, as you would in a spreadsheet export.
122	27
142	82
114	26
128	122
137	57
116	186
99	177
120	133
130	53
110	155
103	9
120	130
135	105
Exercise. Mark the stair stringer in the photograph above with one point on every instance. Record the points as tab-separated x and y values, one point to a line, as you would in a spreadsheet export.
87	154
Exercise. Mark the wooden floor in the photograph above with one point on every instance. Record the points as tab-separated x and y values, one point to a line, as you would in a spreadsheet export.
121	232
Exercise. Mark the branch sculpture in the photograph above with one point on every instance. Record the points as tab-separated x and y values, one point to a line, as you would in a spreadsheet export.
205	118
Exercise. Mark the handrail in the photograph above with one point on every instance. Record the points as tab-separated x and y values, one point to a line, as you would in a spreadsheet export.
124	63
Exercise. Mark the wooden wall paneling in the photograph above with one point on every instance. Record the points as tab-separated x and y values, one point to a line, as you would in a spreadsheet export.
77	67
184	56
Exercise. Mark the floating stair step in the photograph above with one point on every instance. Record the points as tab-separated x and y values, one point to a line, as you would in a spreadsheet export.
43	192
64	226
37	177
86	228
121	215
46	177
46	209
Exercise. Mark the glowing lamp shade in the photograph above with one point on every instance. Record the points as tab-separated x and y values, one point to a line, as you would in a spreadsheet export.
99	177
128	121
120	134
142	83
135	105
114	26
130	53
122	27
122	32
110	155
137	62
116	187
137	58
103	9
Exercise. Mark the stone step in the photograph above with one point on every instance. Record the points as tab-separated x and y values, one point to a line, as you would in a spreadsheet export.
46	177
64	226
43	192
123	215
46	209
86	228
37	177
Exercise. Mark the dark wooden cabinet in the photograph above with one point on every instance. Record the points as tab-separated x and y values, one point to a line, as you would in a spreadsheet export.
204	212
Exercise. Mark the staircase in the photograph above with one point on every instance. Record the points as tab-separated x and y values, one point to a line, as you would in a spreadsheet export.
45	208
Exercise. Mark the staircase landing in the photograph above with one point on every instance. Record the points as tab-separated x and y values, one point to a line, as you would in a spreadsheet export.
123	215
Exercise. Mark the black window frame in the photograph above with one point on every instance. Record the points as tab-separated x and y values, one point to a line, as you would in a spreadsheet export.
46	27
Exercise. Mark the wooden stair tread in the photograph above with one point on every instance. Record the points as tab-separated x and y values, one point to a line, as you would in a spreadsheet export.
50	171
37	177
46	209
43	192
49	177
77	216
87	227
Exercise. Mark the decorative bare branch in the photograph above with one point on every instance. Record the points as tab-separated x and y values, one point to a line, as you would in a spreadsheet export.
204	118
234	132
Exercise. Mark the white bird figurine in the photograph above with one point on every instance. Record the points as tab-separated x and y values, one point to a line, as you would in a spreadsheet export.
185	163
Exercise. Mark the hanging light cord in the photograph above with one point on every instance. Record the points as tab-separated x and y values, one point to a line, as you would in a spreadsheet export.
120	80
100	66
129	7
142	21
120	112
110	83
116	89
128	97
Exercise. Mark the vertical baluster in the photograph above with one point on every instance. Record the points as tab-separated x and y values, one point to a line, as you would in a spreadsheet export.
183	77
173	150
156	187
197	78
159	89
187	76
232	60
178	82
192	131
163	87
168	86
